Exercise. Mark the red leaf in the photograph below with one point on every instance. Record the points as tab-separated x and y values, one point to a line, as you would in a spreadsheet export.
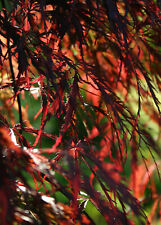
45	107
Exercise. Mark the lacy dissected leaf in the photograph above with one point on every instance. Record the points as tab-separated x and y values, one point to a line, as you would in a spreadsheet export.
91	69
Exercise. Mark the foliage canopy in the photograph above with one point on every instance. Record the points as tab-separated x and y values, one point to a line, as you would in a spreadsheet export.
79	91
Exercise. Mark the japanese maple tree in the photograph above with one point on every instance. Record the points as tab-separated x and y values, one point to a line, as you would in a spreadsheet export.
80	112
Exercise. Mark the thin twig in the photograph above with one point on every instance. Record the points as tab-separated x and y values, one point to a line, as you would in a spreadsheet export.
14	85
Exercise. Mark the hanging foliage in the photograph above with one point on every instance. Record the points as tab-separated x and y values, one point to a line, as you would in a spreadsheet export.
80	112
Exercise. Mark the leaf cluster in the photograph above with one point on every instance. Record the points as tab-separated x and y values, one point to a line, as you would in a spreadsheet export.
80	62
